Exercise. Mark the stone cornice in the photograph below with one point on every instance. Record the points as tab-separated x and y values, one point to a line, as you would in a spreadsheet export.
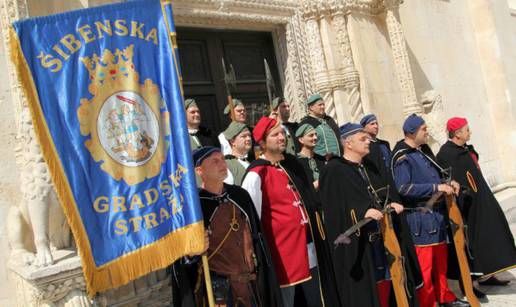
231	12
320	8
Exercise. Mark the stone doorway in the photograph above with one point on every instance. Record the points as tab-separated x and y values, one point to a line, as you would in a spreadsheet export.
201	52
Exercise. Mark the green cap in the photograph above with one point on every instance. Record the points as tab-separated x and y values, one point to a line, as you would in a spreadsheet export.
233	130
313	99
236	102
276	102
303	130
190	103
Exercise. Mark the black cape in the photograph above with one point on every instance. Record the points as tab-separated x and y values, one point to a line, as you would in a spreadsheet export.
312	206
380	176
207	137
344	194
491	242
184	276
305	162
292	127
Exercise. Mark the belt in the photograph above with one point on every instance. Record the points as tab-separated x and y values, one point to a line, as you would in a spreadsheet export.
373	236
242	278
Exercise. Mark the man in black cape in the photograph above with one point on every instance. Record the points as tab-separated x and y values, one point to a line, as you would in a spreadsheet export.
361	268
377	166
239	259
283	196
491	243
418	177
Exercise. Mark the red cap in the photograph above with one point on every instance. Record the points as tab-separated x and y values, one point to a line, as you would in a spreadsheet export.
455	123
262	128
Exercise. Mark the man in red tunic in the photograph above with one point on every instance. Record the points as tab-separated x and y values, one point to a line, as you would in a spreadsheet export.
285	201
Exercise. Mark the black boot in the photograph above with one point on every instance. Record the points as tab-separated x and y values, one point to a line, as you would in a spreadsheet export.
479	294
493	281
456	303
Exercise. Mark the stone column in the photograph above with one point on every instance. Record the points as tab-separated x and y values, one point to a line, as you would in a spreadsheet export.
350	74
331	59
401	59
321	79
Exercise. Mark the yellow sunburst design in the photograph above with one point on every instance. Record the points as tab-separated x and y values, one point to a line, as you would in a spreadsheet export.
113	77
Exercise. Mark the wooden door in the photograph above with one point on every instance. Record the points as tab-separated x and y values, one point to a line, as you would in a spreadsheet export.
200	54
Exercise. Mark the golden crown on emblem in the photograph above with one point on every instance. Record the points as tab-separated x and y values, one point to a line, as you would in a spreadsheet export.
110	67
112	74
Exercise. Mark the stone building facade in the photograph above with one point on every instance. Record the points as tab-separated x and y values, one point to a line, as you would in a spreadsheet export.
438	58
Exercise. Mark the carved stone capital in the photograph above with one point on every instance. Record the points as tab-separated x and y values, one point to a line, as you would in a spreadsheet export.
51	284
367	7
392	4
314	9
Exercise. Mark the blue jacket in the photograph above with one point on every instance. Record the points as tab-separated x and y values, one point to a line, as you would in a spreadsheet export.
417	176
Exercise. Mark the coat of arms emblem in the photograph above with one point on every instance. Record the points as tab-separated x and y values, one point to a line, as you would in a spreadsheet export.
125	120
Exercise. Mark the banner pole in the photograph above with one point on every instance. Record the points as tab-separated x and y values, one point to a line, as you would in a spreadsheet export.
207	279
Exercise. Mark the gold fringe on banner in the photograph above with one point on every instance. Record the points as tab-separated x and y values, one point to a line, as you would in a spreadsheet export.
154	256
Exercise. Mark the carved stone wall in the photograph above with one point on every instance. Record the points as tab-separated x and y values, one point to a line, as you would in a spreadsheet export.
331	57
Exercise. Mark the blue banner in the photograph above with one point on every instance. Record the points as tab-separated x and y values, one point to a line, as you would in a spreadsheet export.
104	92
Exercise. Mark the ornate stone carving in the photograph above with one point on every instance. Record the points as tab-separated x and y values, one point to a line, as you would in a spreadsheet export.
350	75
29	221
62	284
324	21
233	12
433	108
327	7
296	74
401	59
368	7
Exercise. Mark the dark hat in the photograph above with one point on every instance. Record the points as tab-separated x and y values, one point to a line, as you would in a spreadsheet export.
367	119
262	128
233	130
190	103
200	154
303	130
313	99
349	129
236	102
412	123
276	102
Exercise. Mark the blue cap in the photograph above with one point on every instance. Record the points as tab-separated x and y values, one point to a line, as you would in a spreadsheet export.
412	123
367	119
200	154
350	129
